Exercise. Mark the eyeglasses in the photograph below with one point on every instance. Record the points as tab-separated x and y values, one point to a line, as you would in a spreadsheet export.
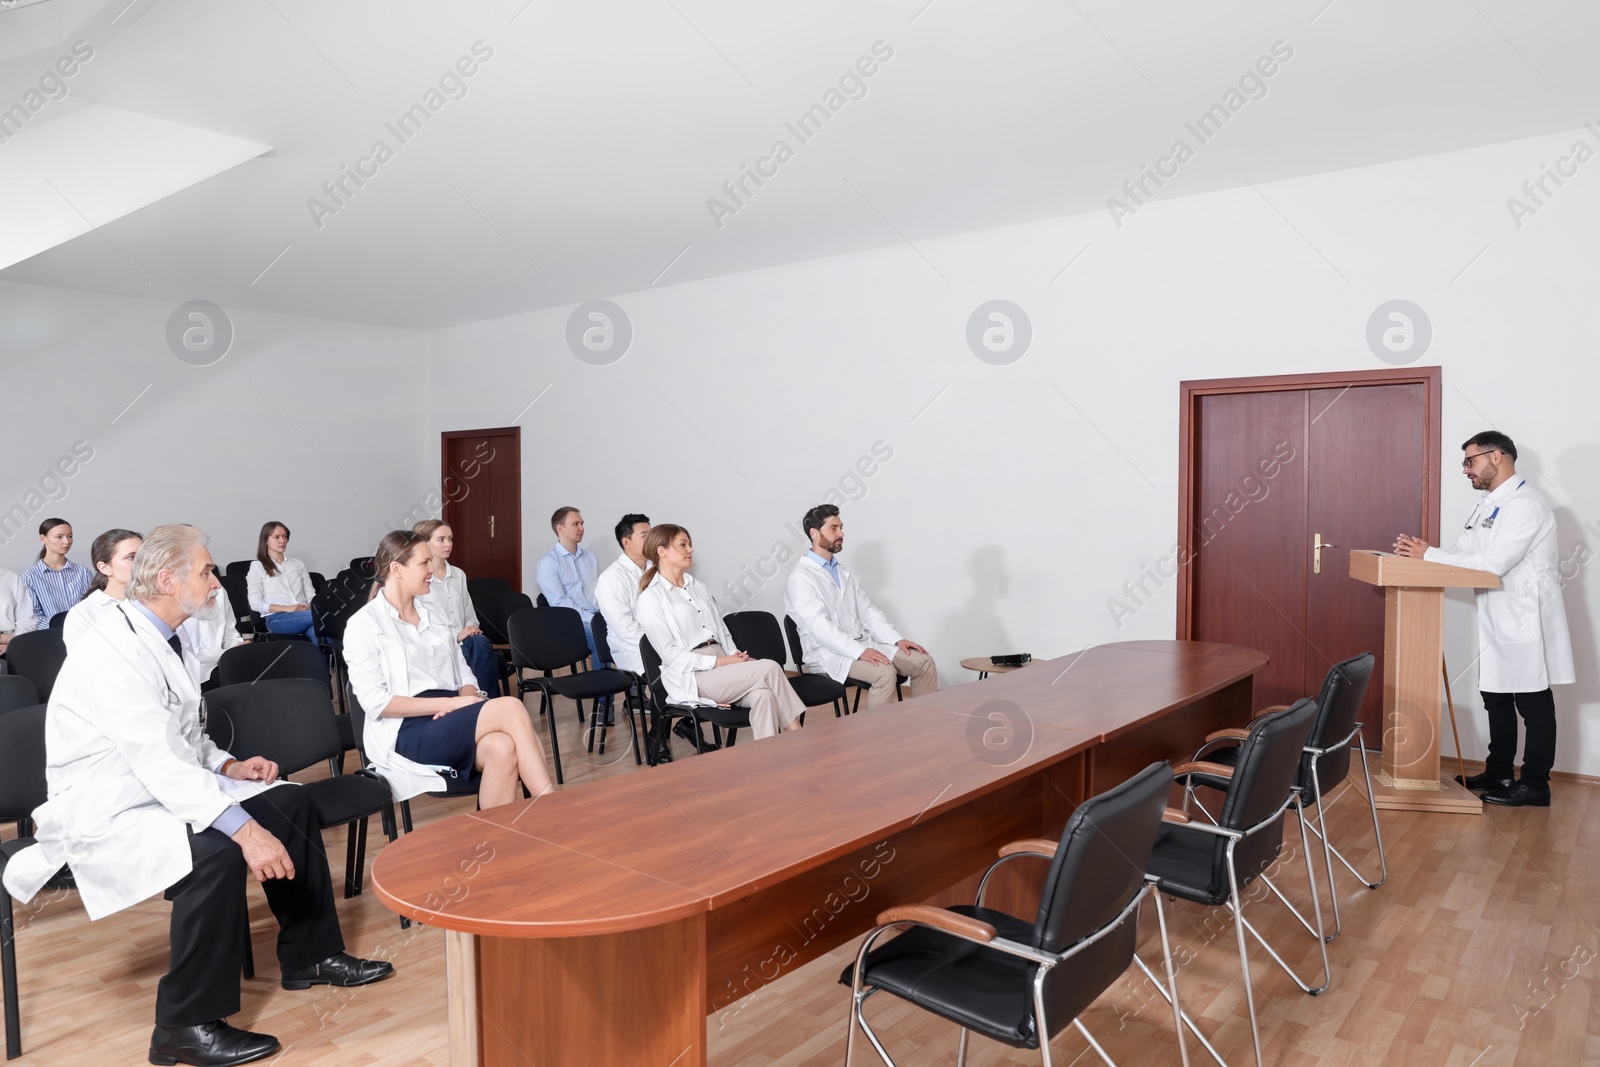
1466	461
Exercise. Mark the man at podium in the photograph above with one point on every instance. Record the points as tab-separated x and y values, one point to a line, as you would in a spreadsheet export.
1523	645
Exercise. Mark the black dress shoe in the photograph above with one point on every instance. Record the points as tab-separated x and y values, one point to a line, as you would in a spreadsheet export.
687	730
213	1044
1480	782
341	970
1521	795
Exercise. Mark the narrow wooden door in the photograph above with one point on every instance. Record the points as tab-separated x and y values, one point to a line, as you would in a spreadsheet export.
1269	465
481	482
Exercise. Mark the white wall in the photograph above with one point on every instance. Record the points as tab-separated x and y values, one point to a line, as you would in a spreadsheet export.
1007	518
316	424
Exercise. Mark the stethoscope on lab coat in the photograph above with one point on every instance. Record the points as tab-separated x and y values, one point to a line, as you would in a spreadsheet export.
1488	523
172	699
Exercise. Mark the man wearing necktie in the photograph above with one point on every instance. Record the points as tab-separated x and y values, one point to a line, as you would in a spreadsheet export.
142	802
1523	644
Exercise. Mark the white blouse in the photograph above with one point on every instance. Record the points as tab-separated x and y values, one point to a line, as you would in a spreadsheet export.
16	609
448	599
291	585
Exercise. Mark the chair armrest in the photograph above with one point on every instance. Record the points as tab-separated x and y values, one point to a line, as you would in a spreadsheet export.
1273	710
1034	846
939	919
1231	733
1174	815
1216	770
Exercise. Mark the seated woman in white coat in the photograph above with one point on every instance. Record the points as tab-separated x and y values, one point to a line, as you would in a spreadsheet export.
700	664
111	556
448	593
429	727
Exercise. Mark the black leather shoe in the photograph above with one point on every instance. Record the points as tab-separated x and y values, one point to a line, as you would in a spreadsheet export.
686	730
1521	795
213	1044
341	970
1481	782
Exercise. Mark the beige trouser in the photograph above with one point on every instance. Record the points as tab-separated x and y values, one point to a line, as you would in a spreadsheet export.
917	666
758	684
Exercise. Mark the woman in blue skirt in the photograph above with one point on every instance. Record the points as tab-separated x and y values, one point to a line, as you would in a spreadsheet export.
428	725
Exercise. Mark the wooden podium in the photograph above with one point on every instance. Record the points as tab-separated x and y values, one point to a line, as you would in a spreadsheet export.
1413	657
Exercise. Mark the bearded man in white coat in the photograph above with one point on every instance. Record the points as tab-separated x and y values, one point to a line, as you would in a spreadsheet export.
142	802
1523	644
842	633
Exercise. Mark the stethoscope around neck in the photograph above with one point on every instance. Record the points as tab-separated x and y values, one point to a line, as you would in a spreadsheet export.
1488	523
172	696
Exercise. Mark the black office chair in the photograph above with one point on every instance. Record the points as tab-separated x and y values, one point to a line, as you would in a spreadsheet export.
237	587
290	721
22	789
38	656
317	581
58	620
1325	762
758	633
547	640
1021	982
733	719
796	645
331	610
247	664
477	587
493	610
602	648
16	692
240	567
1212	863
542	601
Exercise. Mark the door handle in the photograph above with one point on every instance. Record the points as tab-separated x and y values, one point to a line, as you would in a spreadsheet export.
1317	545
491	525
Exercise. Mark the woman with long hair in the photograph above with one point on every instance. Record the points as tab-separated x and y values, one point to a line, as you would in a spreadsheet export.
700	664
54	582
448	593
112	555
428	725
279	587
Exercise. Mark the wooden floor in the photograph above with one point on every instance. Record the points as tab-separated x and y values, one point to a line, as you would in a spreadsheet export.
1482	950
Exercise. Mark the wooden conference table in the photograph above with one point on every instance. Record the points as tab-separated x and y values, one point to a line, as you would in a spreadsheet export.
603	924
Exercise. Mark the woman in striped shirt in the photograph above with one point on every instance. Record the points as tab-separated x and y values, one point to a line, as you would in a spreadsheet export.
55	583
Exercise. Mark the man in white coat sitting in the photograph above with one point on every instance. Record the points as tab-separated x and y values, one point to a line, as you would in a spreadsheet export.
142	802
1523	644
842	633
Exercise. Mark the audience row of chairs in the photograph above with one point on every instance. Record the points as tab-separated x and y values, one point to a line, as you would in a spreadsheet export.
1022	982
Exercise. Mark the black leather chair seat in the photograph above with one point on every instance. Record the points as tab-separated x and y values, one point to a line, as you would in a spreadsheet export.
1183	860
815	690
973	986
586	685
345	798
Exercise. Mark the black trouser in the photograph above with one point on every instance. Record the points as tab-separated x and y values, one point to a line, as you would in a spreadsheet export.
210	915
1538	711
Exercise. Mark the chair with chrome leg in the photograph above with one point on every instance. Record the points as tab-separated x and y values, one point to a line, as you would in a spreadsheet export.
1021	982
1212	863
1325	763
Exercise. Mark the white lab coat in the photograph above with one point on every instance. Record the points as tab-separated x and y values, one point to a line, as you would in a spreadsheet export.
205	640
1523	644
129	768
16	608
836	623
87	613
679	661
377	662
617	591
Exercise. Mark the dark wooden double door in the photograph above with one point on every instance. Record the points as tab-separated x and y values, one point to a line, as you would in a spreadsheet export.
1269	466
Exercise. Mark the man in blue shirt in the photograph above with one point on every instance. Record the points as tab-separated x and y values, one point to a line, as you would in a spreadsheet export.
566	576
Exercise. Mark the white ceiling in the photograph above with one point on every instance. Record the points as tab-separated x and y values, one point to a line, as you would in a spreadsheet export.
580	160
